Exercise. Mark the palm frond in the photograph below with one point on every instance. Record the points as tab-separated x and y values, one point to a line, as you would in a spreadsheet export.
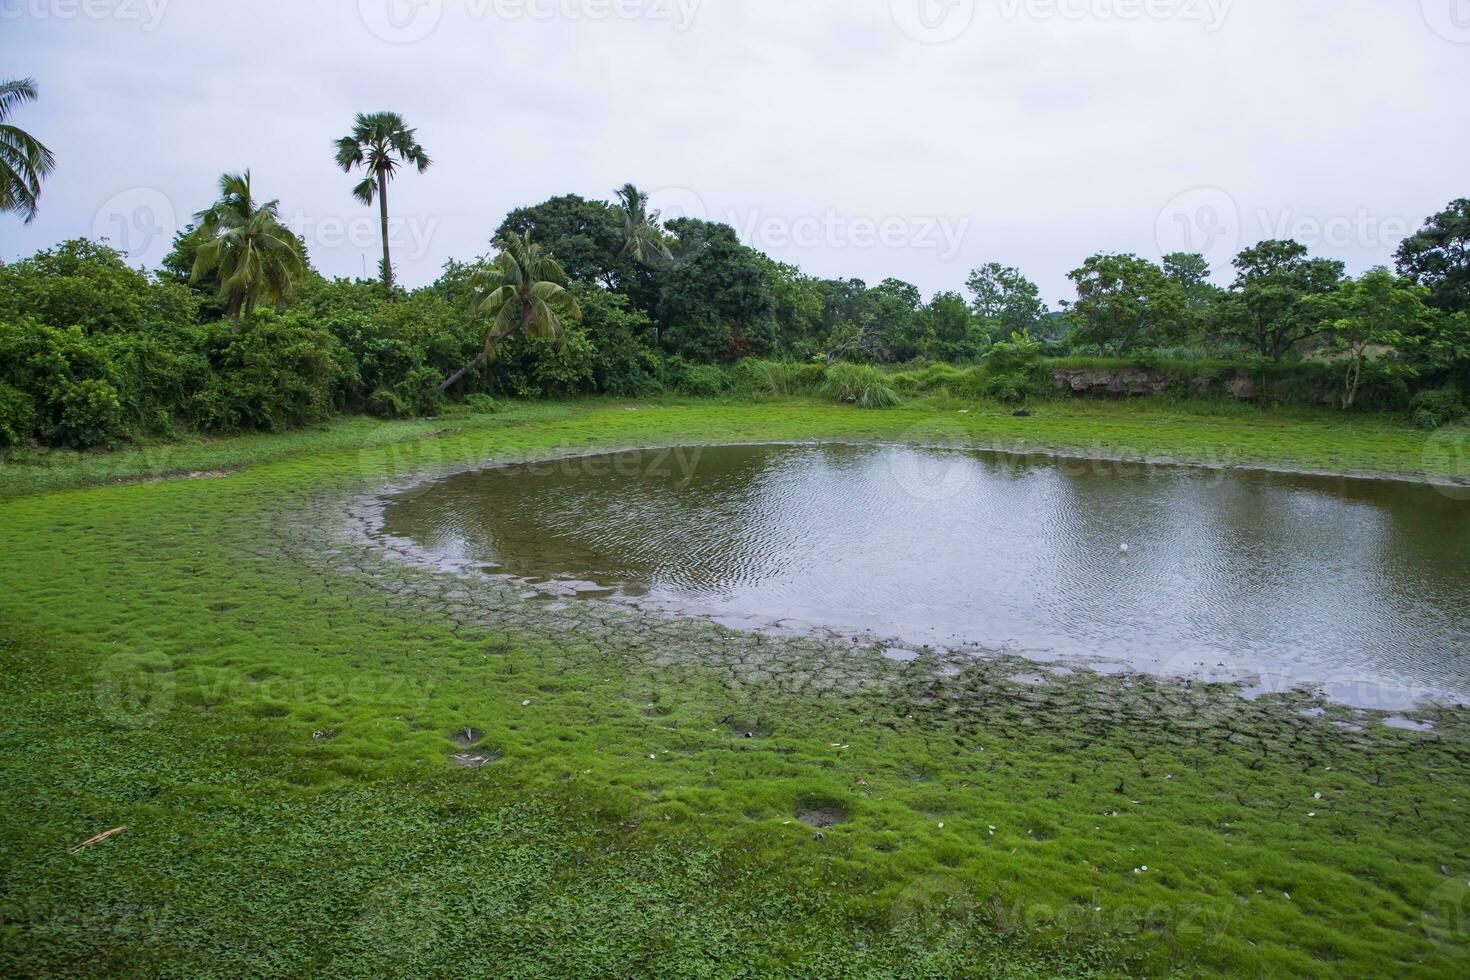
24	160
16	92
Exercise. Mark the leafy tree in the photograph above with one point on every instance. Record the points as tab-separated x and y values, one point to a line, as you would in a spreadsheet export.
952	329
87	284
1380	311
899	319
24	161
623	364
1267	307
1438	256
643	242
714	303
1125	303
521	290
584	236
1192	272
252	254
1005	301
380	143
798	307
1443	348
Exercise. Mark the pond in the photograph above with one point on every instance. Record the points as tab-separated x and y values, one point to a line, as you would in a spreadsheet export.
1359	586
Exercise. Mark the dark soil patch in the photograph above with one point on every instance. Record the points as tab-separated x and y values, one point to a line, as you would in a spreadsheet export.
820	812
466	737
747	728
475	758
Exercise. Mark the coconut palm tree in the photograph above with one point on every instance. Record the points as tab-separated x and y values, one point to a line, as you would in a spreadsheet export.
642	240
380	143
24	162
522	289
252	254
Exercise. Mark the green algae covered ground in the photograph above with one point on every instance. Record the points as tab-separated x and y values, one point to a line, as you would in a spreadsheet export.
326	762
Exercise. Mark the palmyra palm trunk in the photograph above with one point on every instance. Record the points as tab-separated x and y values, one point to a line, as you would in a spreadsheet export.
383	216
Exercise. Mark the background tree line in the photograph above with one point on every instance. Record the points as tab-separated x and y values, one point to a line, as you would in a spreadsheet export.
237	330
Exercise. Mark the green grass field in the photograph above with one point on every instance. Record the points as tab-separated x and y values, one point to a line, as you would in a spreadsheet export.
271	714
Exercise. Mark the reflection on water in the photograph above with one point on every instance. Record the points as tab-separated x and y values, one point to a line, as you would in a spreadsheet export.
1362	585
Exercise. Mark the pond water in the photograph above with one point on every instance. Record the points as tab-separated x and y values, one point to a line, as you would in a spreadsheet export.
1361	587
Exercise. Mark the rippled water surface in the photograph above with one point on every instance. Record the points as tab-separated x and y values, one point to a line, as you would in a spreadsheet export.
1362	586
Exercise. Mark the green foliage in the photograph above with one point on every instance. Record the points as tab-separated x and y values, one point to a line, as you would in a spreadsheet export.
623	363
1269	308
1378	310
584	236
1124	303
686	309
558	368
1013	370
1436	408
17	416
696	380
24	160
243	247
859	384
86	284
523	289
1438	257
779	377
714	303
273	375
1005	301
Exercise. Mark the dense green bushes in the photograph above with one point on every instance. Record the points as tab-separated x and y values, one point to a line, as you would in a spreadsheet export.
93	353
859	384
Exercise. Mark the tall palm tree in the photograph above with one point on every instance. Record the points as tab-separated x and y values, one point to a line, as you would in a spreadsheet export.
254	256
380	143
522	289
642	240
24	162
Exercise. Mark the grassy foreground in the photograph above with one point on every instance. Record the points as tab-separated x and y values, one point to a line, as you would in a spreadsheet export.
276	734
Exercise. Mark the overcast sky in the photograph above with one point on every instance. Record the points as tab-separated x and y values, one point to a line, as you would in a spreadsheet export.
867	138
